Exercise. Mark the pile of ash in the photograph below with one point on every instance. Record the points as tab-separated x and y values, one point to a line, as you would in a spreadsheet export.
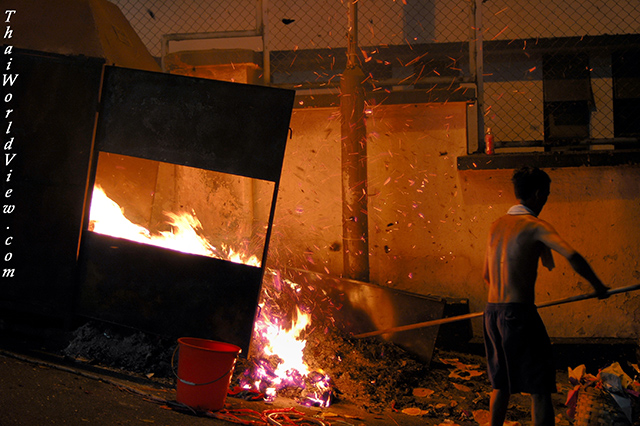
125	349
375	375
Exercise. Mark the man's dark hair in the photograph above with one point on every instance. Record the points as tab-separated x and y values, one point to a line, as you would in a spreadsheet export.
527	180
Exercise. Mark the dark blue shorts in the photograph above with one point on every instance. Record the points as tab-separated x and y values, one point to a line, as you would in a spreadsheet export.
518	349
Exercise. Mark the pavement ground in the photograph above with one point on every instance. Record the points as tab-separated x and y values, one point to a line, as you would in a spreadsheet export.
39	387
36	393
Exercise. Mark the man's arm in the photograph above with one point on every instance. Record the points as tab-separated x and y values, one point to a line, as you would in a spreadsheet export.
485	268
582	267
551	239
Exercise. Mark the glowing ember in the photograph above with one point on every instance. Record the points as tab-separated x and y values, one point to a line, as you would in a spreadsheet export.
106	217
280	364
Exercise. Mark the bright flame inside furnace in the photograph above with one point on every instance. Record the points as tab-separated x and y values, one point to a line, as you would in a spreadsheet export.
107	217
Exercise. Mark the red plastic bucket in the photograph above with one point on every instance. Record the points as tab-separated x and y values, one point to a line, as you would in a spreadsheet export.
204	372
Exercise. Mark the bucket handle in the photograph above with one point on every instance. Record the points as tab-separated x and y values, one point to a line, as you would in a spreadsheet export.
186	382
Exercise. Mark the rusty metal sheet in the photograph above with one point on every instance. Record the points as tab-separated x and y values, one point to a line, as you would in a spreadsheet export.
236	129
233	128
361	307
166	292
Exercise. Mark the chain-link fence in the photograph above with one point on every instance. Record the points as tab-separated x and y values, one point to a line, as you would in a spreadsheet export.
402	42
556	73
561	73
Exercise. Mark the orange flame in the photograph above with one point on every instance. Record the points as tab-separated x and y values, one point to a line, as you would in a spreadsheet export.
107	217
287	344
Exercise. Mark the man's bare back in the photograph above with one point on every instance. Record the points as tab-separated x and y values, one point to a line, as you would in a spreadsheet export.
517	241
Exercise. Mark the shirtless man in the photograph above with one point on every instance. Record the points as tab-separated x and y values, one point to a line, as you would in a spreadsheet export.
517	345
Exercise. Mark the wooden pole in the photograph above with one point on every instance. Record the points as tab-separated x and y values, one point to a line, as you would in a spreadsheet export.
479	314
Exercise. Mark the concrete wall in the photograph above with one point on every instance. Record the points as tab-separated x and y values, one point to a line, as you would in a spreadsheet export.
429	222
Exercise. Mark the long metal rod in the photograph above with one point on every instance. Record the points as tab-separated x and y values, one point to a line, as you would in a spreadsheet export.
479	72
479	314
352	34
264	29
